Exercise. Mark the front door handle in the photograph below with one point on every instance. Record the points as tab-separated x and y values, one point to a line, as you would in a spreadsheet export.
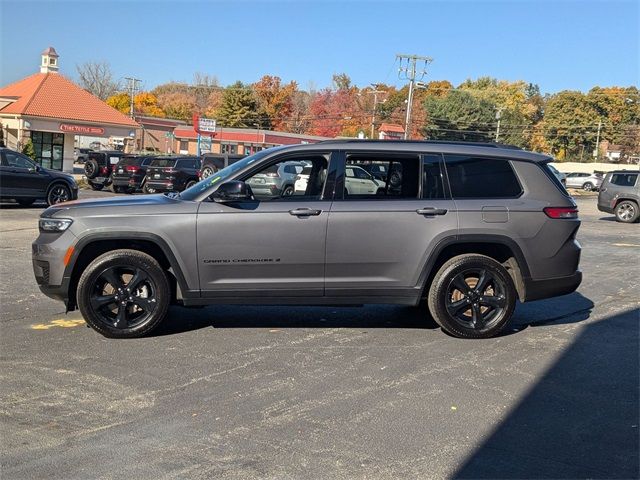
305	212
431	211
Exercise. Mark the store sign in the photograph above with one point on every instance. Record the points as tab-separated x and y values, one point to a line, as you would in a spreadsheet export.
206	124
81	129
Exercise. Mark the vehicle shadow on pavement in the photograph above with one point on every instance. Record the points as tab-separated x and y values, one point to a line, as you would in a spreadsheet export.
182	320
17	206
572	308
580	420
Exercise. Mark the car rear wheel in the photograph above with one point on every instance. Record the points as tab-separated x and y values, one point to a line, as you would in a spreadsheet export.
147	189
25	202
124	294
91	168
472	296
190	184
58	193
627	212
587	187
287	191
118	189
96	186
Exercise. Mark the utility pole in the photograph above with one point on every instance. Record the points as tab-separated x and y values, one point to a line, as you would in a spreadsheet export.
132	86
375	93
408	70
498	117
597	155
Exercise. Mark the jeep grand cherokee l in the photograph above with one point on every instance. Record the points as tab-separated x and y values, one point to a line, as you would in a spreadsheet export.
471	229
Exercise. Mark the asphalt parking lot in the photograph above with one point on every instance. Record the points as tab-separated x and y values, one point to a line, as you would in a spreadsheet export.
372	392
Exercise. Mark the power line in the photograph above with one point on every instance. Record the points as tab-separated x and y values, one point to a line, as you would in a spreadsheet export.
409	72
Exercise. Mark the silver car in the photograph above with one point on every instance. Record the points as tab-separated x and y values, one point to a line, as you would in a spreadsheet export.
585	181
277	181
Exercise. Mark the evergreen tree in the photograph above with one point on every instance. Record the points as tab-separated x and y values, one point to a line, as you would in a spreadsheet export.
28	149
238	108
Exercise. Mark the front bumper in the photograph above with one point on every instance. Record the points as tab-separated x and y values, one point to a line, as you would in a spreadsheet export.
47	254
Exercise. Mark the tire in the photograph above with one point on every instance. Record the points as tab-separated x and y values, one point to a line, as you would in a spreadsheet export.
482	318
25	202
58	193
96	186
627	212
588	186
287	191
118	189
207	172
107	304
395	180
190	184
91	168
146	189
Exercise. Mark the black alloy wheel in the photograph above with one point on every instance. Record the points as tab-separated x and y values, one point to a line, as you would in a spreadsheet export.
123	294
472	296
58	193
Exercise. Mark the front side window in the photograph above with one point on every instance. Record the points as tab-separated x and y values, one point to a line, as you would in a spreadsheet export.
380	176
299	177
17	161
481	177
624	179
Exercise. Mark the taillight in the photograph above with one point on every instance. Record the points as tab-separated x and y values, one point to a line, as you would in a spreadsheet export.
198	173
104	170
171	170
272	174
561	212
131	168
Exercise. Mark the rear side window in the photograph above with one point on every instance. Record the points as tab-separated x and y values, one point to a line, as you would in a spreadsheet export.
432	184
480	177
378	176
624	179
130	161
163	162
186	164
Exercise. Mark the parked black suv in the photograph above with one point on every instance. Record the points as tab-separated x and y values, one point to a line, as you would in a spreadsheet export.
129	174
99	167
171	174
24	181
213	162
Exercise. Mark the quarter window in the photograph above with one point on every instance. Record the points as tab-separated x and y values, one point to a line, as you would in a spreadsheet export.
479	177
432	182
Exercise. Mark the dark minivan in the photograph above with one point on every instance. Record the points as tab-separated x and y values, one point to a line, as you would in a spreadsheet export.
129	174
171	174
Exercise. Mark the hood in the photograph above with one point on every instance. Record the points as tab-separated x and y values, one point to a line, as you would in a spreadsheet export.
112	202
59	174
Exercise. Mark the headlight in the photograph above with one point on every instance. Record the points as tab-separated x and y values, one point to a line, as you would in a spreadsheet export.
54	224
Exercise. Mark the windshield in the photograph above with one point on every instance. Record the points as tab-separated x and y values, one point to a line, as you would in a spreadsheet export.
220	176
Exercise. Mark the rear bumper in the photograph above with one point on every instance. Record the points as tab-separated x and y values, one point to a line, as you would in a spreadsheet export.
551	287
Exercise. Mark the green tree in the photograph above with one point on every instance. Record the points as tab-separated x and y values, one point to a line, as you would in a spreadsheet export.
29	150
570	125
459	116
238	108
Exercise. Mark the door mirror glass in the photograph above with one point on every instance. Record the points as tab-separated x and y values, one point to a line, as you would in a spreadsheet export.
232	191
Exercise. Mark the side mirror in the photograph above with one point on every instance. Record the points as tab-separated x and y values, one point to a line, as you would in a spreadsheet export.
34	169
232	191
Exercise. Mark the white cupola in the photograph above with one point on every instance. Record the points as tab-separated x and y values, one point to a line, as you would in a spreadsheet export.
49	62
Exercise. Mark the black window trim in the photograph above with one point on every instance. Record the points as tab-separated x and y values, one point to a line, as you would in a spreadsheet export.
339	193
490	157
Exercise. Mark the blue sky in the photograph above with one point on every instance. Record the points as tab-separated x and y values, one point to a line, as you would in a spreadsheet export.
557	44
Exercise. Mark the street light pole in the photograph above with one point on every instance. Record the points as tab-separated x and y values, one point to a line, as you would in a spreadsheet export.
498	117
597	155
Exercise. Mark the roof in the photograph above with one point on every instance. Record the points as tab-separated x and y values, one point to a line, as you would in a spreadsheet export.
51	52
54	96
391	127
428	146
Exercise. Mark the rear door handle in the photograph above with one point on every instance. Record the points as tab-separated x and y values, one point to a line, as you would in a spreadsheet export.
305	212
431	211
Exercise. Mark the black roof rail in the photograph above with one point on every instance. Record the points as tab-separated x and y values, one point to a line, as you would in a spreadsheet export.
430	142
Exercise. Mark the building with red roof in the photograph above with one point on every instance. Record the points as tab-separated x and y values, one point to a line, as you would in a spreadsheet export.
391	131
51	110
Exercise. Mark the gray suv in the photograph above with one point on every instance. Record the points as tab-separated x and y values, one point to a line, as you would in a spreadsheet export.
469	230
620	195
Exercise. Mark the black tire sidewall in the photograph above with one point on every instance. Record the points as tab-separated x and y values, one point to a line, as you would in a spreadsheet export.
438	293
128	258
54	186
91	172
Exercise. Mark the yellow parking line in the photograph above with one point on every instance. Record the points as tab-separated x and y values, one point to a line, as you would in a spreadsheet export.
625	245
57	323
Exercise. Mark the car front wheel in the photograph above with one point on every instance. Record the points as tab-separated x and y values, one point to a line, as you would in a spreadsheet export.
58	193
587	187
472	296
207	172
124	294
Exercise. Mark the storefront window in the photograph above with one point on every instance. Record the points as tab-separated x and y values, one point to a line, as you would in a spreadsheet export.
228	148
49	148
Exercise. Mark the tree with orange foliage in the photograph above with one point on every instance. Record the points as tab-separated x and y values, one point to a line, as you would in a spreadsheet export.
275	101
146	103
